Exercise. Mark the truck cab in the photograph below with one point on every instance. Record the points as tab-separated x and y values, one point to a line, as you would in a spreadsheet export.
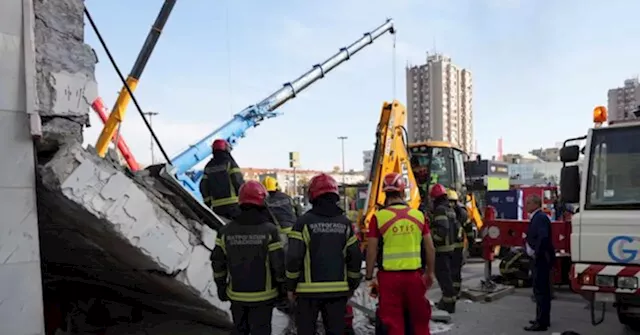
605	238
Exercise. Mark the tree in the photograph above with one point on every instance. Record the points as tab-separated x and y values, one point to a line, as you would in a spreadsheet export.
351	192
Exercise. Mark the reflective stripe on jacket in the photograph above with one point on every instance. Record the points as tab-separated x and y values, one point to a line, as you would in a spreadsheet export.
248	260
465	225
444	228
220	183
401	230
324	257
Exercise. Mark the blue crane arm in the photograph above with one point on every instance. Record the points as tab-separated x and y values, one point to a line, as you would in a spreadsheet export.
253	115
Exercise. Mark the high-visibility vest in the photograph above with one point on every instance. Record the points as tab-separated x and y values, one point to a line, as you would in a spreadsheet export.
401	230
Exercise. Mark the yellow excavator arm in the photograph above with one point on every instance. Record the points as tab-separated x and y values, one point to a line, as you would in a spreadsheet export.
421	165
390	155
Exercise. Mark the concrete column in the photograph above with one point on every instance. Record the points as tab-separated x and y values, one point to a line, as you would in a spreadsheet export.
20	277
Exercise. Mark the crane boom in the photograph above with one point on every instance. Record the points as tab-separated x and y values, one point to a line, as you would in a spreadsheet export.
253	115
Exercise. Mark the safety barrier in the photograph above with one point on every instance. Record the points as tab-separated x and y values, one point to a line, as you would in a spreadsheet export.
513	233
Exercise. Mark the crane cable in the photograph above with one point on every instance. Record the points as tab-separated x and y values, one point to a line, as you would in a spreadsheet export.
126	85
228	46
394	69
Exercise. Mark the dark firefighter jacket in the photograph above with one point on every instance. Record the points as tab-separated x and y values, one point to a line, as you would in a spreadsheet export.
444	226
248	258
283	210
221	181
324	258
466	226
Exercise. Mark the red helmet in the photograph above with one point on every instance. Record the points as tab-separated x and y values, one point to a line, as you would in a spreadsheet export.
437	191
393	182
252	192
321	184
220	145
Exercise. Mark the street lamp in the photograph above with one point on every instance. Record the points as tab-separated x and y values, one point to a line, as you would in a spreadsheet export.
151	115
344	177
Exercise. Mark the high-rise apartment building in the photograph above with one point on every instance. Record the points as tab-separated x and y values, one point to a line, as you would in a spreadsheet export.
439	102
623	101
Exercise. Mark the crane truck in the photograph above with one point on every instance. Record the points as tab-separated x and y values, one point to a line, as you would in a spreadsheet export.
178	175
605	231
181	165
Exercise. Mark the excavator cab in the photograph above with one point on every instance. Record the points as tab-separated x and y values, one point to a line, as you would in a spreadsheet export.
435	162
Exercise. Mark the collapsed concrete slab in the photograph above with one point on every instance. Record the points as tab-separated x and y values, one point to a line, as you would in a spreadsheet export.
100	224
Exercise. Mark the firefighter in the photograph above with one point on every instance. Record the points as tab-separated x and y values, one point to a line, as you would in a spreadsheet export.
445	228
323	260
281	207
284	215
221	181
400	233
466	230
515	268
248	263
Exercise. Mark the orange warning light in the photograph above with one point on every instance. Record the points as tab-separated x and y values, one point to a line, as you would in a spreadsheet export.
600	114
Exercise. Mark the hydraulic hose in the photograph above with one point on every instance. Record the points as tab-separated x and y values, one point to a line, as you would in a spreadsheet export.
126	85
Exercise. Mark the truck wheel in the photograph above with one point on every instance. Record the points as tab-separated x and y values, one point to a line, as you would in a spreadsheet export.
632	321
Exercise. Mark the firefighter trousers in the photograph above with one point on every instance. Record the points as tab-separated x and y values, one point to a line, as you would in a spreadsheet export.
331	309
445	281
251	319
402	293
456	270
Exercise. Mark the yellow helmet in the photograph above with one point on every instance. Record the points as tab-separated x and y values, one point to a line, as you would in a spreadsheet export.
270	183
452	195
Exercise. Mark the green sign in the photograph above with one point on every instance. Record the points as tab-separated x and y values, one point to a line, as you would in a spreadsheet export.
497	183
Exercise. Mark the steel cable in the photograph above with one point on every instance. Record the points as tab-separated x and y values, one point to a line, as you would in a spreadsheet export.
124	82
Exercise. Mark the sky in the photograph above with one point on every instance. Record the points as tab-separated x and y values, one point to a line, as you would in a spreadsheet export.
539	67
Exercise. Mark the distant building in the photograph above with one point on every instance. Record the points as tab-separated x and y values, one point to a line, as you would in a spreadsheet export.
546	172
440	102
548	154
623	101
520	158
285	177
367	159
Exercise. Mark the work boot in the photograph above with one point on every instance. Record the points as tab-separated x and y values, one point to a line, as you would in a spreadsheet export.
449	307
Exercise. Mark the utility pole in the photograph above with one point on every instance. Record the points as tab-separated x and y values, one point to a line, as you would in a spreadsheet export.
344	176
151	115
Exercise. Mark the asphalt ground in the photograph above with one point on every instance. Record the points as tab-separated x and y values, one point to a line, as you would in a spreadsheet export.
505	316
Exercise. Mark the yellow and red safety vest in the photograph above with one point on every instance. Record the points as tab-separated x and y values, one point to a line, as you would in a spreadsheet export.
401	231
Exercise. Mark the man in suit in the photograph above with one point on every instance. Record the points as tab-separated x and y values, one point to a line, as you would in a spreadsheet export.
539	246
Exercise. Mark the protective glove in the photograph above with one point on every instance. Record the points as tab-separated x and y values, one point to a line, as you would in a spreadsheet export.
222	293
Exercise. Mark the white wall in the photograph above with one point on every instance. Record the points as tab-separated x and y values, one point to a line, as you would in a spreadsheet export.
20	277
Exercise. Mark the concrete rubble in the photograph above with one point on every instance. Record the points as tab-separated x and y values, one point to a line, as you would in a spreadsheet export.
125	231
116	252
